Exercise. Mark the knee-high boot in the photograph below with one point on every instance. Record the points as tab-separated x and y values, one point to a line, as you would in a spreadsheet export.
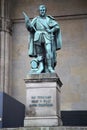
49	66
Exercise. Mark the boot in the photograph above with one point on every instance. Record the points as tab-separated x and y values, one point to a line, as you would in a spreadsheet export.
50	68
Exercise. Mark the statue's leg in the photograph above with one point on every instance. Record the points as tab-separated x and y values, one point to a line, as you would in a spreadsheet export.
41	66
49	58
39	50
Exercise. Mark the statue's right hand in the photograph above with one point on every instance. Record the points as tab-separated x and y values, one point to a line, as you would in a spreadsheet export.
26	20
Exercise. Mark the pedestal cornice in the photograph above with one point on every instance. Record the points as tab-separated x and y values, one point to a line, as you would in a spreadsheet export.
43	77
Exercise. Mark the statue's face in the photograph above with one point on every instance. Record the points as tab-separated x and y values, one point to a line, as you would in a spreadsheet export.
42	11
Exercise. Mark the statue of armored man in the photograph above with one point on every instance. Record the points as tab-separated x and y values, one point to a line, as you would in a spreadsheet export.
45	40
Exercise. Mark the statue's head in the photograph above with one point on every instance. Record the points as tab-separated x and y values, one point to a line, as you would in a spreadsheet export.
42	10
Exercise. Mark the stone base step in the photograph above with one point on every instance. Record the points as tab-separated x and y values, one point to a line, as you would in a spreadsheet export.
46	128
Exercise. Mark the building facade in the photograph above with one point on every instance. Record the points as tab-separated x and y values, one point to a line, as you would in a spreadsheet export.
72	63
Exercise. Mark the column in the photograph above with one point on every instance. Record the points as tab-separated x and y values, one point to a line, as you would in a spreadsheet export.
6	30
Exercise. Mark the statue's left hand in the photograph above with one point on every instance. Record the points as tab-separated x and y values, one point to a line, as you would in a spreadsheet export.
48	30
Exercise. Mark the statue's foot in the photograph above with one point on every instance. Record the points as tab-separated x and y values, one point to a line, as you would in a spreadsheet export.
51	69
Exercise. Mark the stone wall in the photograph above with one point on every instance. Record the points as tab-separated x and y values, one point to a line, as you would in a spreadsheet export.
55	8
72	64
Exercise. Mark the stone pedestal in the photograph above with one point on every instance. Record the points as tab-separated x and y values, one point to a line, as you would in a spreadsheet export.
43	100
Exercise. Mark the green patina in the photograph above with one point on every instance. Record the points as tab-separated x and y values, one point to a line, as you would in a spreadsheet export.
45	40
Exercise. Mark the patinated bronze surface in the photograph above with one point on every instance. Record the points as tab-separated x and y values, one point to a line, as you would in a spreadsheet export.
45	40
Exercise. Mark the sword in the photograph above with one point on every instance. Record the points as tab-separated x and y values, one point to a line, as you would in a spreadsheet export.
27	21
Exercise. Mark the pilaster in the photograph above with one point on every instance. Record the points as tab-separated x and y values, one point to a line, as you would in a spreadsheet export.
5	41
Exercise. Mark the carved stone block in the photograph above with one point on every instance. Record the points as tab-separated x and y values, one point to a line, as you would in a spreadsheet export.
43	100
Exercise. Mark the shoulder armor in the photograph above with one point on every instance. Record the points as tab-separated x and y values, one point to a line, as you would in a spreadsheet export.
34	19
51	17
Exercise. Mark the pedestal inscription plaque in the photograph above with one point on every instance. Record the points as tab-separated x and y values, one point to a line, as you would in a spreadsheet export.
43	100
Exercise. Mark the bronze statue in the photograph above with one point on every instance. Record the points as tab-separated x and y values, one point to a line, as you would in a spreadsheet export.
45	40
